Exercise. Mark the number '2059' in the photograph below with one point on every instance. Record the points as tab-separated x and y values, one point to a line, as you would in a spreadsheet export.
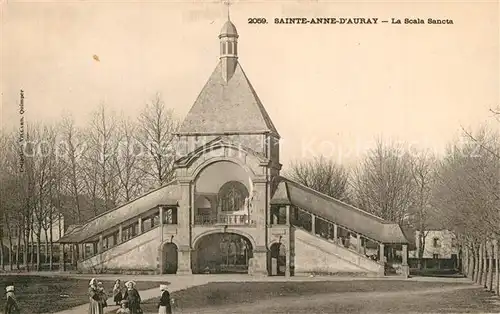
257	20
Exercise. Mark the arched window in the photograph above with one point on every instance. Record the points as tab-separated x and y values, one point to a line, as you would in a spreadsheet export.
232	196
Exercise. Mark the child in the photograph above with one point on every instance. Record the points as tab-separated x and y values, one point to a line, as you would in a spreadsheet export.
124	309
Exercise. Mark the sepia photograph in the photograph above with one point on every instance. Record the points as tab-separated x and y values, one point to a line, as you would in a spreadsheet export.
249	156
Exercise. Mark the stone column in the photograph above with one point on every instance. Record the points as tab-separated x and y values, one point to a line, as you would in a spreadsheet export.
73	253
335	232
359	245
161	213
313	224
381	255
139	225
78	253
404	265
82	251
258	264
120	234
287	261
99	245
61	257
184	256
287	215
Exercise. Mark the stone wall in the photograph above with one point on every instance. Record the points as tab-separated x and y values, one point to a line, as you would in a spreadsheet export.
315	255
139	253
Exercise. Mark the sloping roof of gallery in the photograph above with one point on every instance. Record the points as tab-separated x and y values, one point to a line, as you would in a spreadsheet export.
227	107
167	195
327	207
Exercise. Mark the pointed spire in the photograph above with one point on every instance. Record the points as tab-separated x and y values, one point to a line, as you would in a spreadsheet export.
228	47
228	4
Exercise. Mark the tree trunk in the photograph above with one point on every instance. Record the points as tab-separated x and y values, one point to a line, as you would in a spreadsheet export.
38	244
485	265
51	250
46	233
497	276
18	260
2	264
11	262
480	265
490	266
32	259
472	263
26	248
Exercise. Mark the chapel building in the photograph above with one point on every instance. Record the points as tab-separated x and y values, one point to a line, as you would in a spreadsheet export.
229	210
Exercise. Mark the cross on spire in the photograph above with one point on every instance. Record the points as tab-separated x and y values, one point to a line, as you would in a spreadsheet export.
228	4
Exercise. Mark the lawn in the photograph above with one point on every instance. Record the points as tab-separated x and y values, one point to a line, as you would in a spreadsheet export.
370	296
38	294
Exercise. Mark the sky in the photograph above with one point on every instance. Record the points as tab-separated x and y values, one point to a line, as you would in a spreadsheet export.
329	89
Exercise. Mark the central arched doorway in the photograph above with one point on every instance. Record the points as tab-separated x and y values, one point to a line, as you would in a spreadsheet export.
220	253
170	258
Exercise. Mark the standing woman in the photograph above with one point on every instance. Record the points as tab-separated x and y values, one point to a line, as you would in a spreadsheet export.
95	304
133	297
165	306
11	307
117	292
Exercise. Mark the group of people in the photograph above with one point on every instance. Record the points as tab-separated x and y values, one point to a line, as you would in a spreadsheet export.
127	298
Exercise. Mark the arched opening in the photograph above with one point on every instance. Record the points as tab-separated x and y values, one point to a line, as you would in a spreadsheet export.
220	253
170	258
278	259
222	195
204	211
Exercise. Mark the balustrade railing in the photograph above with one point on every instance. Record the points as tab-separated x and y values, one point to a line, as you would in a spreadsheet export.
226	219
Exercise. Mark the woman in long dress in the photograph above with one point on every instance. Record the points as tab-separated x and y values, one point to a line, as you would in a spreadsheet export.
11	306
95	300
117	292
102	294
165	306
133	297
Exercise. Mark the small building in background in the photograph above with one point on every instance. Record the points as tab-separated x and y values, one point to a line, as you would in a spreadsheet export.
441	250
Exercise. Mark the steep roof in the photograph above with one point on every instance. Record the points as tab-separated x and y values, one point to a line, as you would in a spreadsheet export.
376	228
227	107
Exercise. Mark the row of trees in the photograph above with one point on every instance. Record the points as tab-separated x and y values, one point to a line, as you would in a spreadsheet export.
61	168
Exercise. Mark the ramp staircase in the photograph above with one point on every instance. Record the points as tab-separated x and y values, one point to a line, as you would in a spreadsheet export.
125	252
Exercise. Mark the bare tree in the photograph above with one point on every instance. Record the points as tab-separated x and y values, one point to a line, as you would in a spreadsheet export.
157	126
71	151
322	175
43	141
383	184
423	173
127	161
101	177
